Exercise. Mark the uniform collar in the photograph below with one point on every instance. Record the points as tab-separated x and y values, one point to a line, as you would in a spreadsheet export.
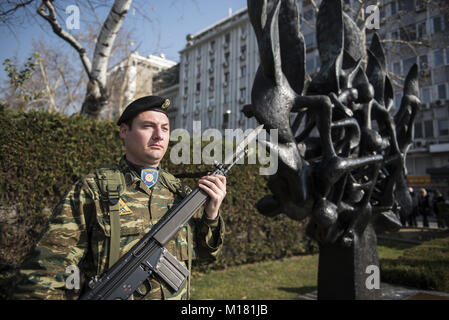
131	177
132	173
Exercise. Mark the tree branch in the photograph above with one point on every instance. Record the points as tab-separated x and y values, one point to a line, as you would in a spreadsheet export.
47	11
4	14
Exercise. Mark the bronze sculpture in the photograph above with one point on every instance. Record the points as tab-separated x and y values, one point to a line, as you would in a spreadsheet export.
350	180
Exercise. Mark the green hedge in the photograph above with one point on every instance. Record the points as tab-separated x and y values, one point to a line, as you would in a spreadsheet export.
43	154
425	266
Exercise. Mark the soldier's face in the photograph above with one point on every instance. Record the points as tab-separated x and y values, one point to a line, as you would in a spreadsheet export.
147	140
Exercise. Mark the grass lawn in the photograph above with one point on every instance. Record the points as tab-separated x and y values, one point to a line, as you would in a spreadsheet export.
290	277
273	280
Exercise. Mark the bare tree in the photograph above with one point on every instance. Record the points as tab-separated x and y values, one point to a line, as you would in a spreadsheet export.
96	94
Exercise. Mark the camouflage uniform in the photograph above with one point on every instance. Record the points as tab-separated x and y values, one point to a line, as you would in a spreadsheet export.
79	234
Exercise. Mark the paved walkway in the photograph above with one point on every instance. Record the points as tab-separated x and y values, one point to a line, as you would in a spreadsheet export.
432	222
395	292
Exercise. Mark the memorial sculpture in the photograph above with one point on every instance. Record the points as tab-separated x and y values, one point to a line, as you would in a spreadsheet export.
350	178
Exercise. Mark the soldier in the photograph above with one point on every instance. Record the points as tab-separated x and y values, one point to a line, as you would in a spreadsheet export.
82	231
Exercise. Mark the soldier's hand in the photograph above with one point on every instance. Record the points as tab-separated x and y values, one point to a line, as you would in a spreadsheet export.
215	187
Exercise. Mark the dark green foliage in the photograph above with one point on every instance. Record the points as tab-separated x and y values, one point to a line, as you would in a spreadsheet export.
425	266
43	154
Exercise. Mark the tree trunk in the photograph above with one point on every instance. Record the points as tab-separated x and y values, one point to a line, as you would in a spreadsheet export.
96	93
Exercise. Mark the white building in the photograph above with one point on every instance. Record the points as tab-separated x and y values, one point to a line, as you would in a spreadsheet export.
216	74
132	78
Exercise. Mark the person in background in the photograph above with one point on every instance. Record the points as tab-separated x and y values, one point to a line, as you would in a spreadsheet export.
437	199
411	219
424	208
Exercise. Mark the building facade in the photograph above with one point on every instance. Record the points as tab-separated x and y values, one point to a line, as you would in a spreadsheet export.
217	69
132	78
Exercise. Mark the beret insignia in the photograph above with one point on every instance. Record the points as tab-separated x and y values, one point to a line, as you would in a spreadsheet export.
166	104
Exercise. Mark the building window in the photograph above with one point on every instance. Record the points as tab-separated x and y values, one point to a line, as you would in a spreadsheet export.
423	63
243	50
198	86
393	8
442	92
383	13
211	82
212	45
418	130
186	90
226	58
421	29
426	96
226	77
437	25
225	98
438	58
243	71
428	129
443	126
243	31
243	93
227	38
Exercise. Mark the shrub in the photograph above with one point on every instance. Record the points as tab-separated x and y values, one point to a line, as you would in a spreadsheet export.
424	266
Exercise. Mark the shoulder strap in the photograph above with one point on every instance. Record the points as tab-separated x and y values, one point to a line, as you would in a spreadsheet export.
112	184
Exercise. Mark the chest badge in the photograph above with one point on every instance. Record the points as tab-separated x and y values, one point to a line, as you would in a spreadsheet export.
124	209
149	176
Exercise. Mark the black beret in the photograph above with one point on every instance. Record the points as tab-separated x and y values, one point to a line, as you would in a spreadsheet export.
140	105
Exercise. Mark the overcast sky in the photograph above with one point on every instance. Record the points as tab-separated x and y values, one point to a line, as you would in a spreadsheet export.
163	31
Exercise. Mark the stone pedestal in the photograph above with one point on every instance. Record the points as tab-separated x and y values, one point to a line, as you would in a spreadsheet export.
343	271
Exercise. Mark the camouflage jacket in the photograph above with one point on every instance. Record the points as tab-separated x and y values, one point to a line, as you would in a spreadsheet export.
78	234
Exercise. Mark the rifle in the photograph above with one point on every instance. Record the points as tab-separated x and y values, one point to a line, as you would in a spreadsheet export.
148	256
